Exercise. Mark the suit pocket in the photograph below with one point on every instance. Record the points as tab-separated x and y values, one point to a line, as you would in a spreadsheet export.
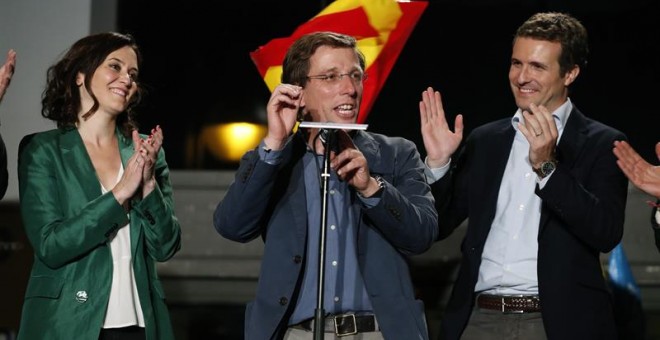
44	287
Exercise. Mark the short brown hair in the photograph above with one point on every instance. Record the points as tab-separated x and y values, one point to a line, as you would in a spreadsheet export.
296	62
561	28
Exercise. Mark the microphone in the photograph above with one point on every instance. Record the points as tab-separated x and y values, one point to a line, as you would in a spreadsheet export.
328	136
327	130
324	134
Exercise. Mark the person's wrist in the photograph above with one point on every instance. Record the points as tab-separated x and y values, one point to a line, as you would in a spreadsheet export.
120	196
271	143
148	186
545	167
436	163
150	183
375	186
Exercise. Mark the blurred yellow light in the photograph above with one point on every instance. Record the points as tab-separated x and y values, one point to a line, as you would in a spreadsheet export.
228	142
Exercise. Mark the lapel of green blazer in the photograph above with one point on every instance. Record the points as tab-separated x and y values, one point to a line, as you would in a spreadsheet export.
82	170
126	151
125	148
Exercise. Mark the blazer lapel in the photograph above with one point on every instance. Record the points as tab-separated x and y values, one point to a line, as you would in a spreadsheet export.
573	139
75	154
125	147
371	151
295	190
569	148
125	152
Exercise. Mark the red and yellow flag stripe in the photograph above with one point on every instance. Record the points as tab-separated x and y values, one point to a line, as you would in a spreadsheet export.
381	28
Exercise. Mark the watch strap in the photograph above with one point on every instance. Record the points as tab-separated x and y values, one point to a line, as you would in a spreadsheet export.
545	168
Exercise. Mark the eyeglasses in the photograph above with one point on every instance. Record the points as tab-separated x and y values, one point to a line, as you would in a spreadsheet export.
334	78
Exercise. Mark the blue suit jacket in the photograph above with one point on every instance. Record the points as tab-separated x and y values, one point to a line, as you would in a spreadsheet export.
68	222
269	201
582	216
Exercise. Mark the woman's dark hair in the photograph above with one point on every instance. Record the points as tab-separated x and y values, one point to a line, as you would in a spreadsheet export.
61	98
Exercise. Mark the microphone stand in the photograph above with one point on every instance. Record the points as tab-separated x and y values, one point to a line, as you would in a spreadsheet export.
327	133
319	313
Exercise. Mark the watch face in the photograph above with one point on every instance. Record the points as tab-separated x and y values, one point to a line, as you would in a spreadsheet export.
547	168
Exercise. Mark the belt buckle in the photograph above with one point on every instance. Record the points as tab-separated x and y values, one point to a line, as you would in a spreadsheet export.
343	331
512	311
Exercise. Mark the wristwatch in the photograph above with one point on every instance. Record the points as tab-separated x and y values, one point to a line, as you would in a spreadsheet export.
545	168
381	186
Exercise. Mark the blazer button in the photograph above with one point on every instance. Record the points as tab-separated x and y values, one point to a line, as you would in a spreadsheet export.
150	217
297	259
81	296
283	301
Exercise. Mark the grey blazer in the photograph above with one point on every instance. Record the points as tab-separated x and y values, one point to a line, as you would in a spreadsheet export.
269	201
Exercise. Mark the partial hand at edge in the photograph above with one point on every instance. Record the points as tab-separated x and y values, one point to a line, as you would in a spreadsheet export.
6	72
641	173
439	141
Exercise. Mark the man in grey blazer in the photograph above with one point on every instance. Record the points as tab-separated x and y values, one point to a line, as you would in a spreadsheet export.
379	211
542	194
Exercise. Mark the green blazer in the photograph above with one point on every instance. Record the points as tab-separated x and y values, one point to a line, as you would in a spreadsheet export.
68	222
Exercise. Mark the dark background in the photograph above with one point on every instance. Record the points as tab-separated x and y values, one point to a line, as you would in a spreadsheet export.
198	70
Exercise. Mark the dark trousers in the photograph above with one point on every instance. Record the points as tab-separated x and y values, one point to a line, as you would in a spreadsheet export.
124	333
488	324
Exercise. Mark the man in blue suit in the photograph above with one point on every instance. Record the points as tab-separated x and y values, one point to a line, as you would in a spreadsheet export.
542	194
380	209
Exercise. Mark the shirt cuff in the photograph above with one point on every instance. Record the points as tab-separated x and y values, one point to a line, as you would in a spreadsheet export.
272	157
544	180
434	174
369	202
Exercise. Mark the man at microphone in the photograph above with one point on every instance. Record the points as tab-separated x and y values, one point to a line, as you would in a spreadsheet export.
379	209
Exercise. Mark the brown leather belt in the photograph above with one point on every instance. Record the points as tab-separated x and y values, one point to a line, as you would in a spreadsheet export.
510	303
344	324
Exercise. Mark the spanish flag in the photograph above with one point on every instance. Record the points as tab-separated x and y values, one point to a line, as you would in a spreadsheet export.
381	28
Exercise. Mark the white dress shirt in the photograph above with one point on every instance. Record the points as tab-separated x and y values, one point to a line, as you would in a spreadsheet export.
509	259
124	307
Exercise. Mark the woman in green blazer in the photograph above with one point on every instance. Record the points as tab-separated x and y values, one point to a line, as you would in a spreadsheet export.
96	203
